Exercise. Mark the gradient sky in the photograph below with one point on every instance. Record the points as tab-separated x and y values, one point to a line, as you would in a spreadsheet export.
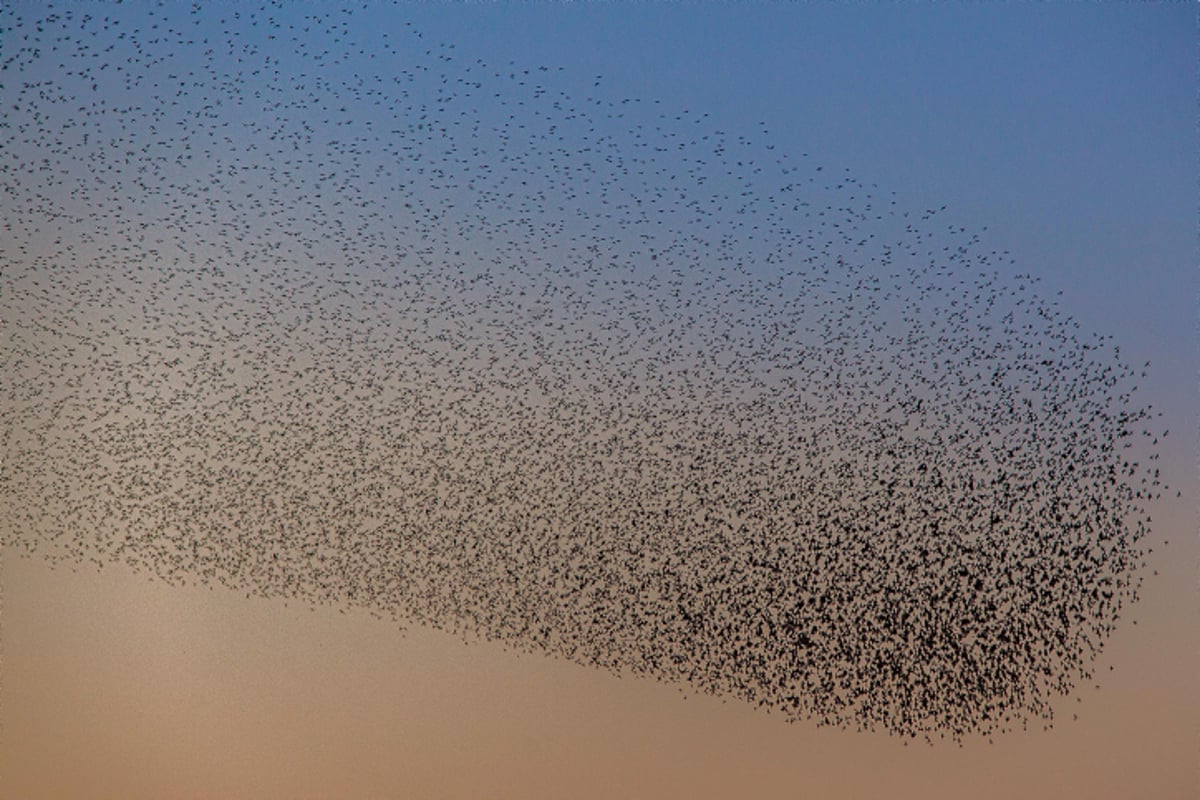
1067	130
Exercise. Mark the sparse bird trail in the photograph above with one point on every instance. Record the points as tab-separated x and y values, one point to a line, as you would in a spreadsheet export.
329	311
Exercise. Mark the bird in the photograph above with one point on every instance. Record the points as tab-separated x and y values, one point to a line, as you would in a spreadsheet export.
317	309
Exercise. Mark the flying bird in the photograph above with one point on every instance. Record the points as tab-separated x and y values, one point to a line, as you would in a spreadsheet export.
317	308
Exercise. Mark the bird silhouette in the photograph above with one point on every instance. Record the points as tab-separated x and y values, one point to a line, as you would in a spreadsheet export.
312	307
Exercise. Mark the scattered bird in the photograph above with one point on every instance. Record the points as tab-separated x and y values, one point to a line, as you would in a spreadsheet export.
311	307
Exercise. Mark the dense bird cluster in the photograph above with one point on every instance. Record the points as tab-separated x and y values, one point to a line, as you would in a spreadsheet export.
307	305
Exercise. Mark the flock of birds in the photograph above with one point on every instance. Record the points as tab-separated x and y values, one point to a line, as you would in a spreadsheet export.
306	305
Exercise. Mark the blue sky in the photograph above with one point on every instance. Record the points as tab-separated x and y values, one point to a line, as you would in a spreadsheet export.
1066	129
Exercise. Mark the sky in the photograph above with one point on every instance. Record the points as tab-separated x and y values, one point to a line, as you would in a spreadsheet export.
1062	134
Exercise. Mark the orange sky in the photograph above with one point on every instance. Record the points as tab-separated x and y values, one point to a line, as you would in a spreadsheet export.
116	685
